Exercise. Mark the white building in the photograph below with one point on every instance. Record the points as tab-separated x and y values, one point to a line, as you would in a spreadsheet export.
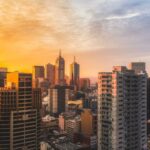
122	110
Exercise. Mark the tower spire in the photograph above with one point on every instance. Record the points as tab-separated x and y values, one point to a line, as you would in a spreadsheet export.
74	59
60	53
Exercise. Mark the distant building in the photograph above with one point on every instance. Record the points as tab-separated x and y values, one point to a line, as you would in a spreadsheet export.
84	83
38	72
67	79
122	109
89	103
89	128
42	83
49	123
50	73
60	71
59	95
138	67
75	74
36	98
19	113
63	117
74	105
72	127
88	123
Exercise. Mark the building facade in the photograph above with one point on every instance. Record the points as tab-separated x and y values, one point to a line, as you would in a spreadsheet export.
122	112
59	96
72	127
88	128
75	74
3	72
50	73
19	115
84	83
38	72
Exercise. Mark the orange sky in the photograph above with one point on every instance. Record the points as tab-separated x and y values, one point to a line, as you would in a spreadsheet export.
99	34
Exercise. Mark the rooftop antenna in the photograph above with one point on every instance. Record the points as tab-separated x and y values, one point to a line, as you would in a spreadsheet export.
74	59
60	53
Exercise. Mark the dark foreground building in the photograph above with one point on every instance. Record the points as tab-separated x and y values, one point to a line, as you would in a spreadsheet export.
19	113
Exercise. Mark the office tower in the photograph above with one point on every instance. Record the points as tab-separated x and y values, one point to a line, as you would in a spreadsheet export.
3	72
38	72
88	123
122	114
84	83
19	114
60	70
74	74
50	73
36	98
59	95
137	66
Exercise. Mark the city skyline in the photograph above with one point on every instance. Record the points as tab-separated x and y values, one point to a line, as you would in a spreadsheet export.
99	33
74	75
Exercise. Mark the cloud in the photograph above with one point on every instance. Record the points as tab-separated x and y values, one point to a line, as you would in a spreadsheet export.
39	27
127	16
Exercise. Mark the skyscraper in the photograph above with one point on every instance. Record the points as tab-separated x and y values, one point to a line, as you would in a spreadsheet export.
74	74
38	72
50	73
3	72
60	70
19	114
122	110
59	95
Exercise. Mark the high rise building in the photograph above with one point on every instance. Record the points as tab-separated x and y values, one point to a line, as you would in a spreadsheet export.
74	74
19	114
138	66
122	112
38	72
50	73
60	70
3	72
84	83
59	95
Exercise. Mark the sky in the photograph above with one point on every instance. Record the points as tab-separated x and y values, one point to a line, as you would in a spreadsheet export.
100	33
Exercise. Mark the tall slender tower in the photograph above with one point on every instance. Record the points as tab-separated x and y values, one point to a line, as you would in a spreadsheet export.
60	70
50	73
74	74
19	113
122	111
